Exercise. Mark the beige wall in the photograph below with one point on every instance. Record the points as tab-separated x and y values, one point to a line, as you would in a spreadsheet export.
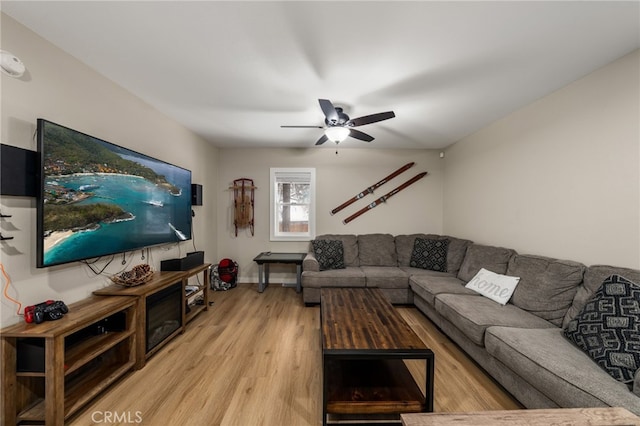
339	177
59	88
559	177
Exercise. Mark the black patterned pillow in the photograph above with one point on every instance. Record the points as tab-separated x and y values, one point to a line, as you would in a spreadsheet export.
329	253
608	328
429	254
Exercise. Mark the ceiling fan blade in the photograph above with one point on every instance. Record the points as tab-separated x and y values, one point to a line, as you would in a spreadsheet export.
329	111
368	119
322	140
361	135
303	127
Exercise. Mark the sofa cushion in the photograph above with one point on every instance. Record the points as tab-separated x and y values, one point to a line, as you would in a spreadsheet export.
608	328
473	314
494	259
429	286
349	244
429	254
419	271
404	247
496	287
351	276
385	277
556	368
377	250
456	253
593	278
329	253
547	286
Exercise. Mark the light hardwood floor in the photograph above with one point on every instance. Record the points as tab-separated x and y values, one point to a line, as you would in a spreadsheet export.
255	359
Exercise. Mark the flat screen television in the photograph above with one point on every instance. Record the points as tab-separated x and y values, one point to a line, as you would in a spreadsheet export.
97	198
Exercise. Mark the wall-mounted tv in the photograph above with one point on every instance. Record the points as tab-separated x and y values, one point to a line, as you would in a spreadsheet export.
97	198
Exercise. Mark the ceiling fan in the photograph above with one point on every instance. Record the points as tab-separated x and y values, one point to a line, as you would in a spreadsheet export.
338	125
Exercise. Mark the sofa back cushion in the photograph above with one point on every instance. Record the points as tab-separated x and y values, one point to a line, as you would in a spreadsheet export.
547	286
349	245
593	278
404	247
455	255
494	259
377	250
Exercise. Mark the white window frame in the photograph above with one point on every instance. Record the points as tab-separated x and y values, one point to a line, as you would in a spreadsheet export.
278	174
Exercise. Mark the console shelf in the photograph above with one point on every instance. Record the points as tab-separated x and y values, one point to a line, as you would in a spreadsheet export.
80	355
194	309
372	387
76	394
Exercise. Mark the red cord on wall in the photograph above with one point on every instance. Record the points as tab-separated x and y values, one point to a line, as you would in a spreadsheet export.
6	287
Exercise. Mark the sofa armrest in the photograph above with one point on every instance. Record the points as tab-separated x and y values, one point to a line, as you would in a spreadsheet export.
310	263
636	383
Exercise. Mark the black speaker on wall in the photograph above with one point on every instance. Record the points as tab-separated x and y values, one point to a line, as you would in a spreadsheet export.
196	194
18	171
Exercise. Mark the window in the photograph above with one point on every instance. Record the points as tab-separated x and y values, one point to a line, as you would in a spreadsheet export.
293	193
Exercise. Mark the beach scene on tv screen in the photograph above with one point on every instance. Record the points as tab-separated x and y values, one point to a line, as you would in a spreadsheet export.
100	198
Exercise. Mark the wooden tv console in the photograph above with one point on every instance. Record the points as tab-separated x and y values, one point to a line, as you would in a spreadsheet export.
73	359
160	281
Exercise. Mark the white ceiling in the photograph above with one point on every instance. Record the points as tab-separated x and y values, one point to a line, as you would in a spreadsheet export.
233	72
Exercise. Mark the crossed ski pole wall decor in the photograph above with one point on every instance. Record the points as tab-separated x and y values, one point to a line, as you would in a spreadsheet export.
382	199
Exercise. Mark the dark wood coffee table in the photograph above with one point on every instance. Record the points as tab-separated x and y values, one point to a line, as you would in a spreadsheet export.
364	343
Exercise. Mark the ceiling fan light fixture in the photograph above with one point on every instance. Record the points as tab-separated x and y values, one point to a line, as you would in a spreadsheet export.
338	126
337	133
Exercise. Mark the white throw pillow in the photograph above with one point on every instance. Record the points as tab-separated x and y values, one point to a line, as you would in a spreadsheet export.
494	286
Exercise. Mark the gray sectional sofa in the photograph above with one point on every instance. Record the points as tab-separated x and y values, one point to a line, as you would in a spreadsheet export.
520	344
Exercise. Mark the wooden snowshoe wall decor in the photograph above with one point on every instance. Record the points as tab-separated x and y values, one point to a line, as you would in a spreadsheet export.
243	193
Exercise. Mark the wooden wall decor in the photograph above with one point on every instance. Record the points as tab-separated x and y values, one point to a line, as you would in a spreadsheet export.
385	197
243	196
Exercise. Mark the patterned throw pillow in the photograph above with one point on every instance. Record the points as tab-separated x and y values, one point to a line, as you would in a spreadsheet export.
608	328
430	254
329	253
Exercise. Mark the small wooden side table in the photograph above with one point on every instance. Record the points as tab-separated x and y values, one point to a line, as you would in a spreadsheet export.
264	259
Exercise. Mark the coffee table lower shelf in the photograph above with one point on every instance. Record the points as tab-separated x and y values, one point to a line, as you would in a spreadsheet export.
370	390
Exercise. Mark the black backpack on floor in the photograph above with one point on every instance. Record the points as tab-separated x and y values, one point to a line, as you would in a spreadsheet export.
224	275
